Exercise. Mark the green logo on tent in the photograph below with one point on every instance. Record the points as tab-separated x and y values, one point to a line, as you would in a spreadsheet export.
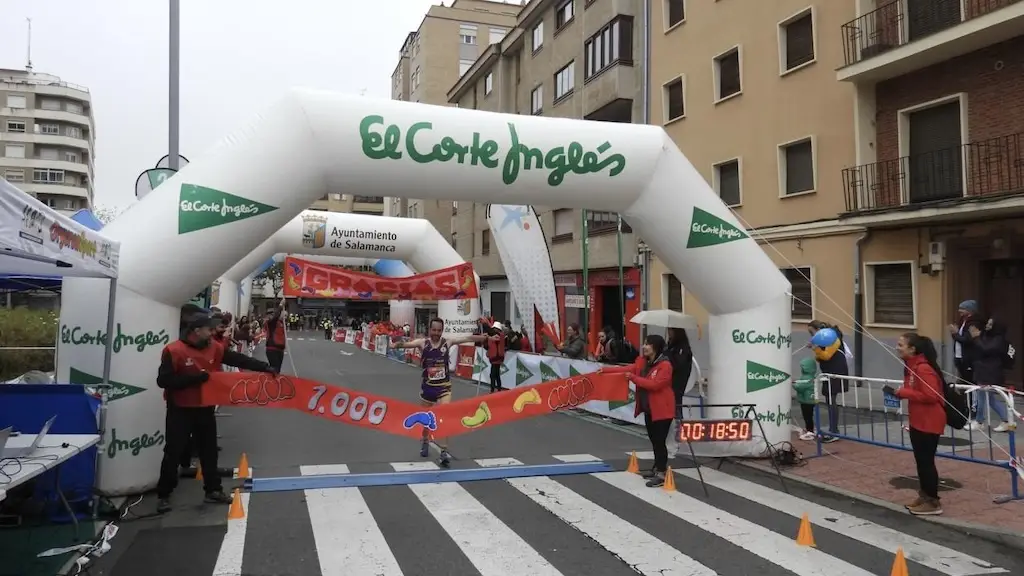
522	372
547	373
200	208
760	377
480	365
116	391
631	398
706	229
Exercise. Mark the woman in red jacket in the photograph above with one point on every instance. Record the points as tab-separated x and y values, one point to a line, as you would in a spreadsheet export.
923	388
652	375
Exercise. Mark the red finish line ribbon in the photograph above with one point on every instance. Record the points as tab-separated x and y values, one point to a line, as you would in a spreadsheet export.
401	418
305	279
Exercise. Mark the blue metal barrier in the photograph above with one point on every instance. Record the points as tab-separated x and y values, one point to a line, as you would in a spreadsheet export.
886	428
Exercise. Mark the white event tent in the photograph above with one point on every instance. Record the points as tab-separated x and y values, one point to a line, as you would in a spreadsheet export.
37	241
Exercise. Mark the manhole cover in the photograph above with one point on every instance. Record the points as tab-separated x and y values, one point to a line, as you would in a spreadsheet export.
948	441
911	483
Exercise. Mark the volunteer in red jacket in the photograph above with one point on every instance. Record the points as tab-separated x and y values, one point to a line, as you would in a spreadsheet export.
184	365
923	388
273	328
651	372
496	354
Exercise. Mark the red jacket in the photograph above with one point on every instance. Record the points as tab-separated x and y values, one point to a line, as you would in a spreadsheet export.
657	384
923	388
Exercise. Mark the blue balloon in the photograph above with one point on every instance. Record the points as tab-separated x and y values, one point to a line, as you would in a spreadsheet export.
824	338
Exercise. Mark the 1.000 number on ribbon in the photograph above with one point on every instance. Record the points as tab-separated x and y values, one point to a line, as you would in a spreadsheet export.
343	406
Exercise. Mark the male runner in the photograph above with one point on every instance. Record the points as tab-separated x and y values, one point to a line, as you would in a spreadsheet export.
436	386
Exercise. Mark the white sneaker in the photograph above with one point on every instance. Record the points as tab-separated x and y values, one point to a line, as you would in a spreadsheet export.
1003	427
807	436
974	425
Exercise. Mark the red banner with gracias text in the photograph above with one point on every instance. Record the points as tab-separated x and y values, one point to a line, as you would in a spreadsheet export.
305	279
405	418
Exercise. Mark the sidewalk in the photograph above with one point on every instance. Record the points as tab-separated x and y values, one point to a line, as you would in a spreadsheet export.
888	475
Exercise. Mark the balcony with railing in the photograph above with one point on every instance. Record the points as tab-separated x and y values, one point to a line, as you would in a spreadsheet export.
368	199
906	35
984	170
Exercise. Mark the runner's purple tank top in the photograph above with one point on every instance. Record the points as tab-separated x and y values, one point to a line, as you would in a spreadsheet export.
435	363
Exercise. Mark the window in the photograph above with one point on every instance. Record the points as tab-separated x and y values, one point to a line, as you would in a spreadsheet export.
563	14
14	150
464	66
802	300
796	41
891	293
605	222
45	176
564	224
17	102
416	78
497	35
467	34
48	104
71	157
49	129
727	182
72	131
613	44
537	100
728	81
485	242
565	81
74	108
15	126
488	83
673	97
48	154
675	12
673	292
796	167
15	175
538	37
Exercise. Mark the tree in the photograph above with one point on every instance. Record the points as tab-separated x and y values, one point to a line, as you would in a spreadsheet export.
107	214
274	276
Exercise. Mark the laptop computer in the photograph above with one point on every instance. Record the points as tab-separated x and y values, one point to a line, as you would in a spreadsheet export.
21	450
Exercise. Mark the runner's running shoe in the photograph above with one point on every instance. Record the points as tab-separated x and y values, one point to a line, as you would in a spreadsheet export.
446	459
425	449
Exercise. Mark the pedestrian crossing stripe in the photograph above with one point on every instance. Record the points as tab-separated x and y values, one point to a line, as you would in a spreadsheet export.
349	540
934	556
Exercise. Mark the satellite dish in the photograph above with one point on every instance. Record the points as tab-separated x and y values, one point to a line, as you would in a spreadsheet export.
165	162
150	179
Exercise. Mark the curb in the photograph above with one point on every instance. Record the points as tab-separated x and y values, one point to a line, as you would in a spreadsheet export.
991	533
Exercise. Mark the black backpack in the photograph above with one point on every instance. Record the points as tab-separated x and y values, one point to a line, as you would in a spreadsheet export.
1009	357
957	410
627	352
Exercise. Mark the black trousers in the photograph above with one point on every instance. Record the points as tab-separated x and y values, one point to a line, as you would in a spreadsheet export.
807	410
925	446
275	358
657	432
182	423
327	333
495	377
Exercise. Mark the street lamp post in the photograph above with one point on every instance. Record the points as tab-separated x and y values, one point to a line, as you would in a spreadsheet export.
173	71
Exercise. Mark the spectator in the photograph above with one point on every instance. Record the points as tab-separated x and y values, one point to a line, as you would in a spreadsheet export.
988	352
574	347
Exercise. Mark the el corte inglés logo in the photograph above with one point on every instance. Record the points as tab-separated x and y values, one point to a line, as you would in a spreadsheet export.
522	372
706	229
200	208
761	377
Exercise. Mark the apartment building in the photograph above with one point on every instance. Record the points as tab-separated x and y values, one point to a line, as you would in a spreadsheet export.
47	138
373	205
432	58
887	191
565	59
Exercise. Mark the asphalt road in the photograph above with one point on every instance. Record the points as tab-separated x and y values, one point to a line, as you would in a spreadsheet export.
605	524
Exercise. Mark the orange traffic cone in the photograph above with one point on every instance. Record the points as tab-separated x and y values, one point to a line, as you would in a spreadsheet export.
899	566
634	465
804	536
199	473
670	481
236	511
243	466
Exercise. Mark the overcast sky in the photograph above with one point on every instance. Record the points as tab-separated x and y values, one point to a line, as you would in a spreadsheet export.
237	56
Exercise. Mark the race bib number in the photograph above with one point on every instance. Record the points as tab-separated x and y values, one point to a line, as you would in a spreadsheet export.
437	374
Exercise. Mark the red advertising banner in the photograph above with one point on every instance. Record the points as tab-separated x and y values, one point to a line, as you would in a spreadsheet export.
406	418
305	279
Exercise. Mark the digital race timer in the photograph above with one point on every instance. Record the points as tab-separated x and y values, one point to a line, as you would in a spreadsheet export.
715	430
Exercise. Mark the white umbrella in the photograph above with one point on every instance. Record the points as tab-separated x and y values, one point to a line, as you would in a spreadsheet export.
665	319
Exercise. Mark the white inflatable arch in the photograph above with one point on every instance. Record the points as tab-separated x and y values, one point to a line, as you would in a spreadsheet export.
211	214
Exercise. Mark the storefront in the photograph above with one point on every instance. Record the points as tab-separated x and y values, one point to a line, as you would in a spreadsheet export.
605	301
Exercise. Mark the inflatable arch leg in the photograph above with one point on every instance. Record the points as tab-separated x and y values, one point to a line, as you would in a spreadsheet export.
211	214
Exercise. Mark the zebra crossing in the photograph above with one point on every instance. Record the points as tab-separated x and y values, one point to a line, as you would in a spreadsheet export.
602	524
